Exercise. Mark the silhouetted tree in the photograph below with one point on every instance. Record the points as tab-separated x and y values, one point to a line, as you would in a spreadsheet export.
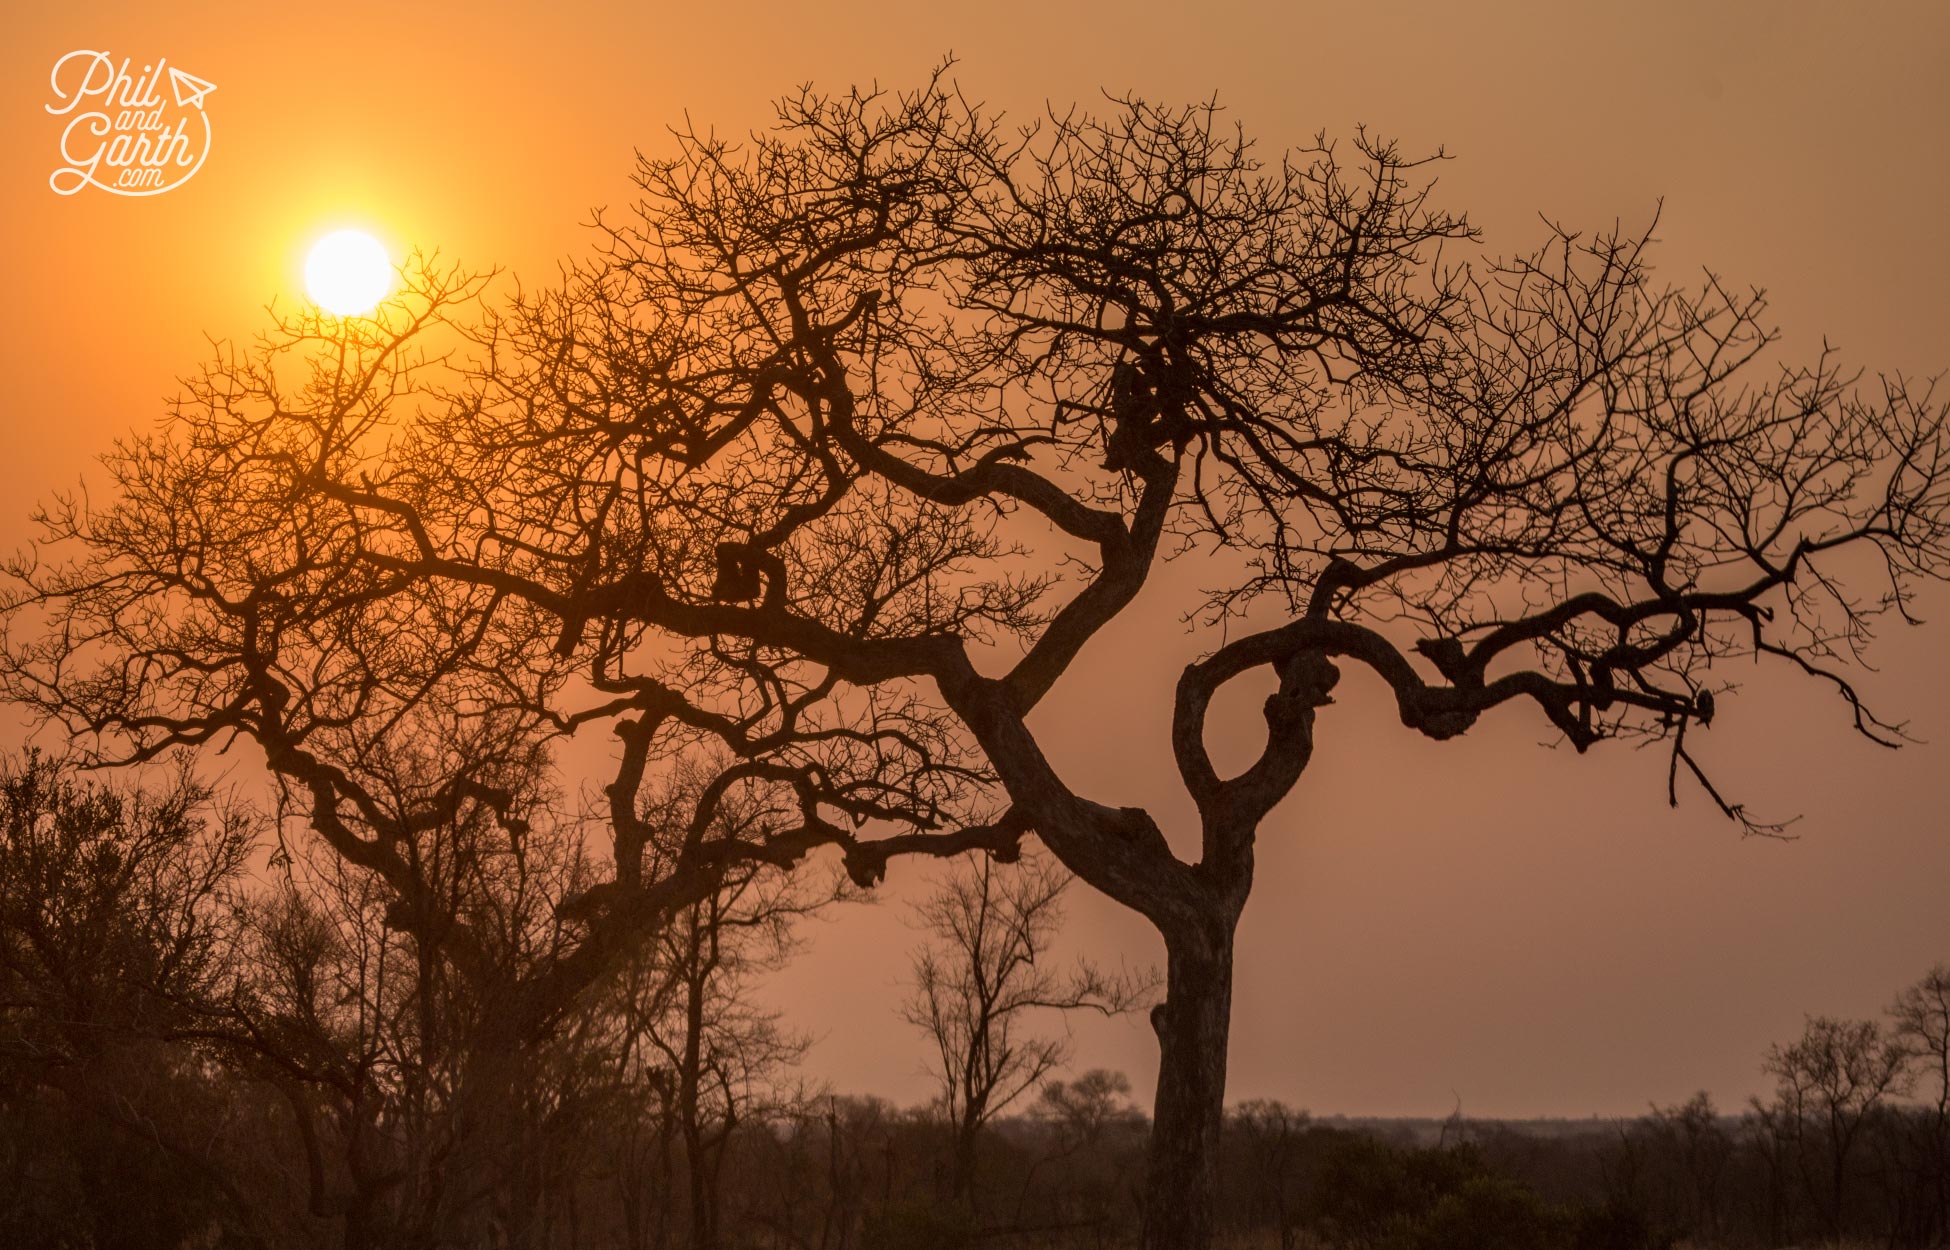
1079	1110
1920	1017
384	1013
116	942
853	438
1703	1150
1830	1083
243	584
1270	1132
984	970
725	1054
1093	1134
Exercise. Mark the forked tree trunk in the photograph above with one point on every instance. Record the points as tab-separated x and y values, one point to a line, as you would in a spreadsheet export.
1193	1025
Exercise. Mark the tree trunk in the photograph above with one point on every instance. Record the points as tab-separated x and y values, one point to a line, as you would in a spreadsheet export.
690	1078
1193	1024
961	1180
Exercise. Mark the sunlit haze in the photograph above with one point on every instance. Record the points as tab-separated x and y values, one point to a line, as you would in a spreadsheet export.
1496	921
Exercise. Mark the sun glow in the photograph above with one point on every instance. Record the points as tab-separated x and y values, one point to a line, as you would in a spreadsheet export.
348	273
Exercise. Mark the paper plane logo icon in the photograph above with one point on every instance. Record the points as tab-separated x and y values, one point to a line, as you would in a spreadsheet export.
190	89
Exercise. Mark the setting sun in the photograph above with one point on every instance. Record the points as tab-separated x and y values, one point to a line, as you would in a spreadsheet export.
348	272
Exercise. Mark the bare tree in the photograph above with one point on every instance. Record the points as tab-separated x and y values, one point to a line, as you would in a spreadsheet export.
1830	1083
1920	1017
981	977
852	438
700	1056
1271	1133
724	1055
1691	1136
383	1013
249	580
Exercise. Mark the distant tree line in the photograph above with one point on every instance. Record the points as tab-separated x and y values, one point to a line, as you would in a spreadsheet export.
1851	1148
200	1046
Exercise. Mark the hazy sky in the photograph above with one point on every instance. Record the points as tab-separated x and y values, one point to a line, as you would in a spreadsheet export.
1485	920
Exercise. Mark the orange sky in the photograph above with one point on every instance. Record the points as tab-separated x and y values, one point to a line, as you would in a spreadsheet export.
1482	920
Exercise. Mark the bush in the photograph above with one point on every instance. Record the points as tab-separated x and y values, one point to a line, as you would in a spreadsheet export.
918	1226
